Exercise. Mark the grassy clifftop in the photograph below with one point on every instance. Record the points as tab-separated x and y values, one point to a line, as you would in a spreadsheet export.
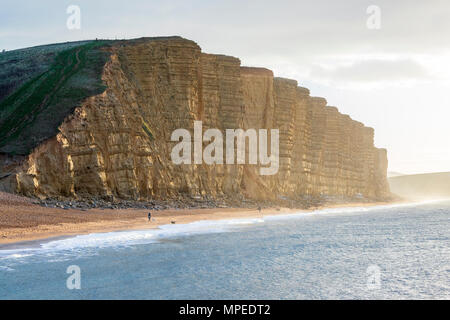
40	86
20	66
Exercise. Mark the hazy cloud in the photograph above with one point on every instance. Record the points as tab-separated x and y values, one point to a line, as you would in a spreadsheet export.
372	71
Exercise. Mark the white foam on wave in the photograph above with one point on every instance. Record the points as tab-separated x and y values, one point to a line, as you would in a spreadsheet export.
20	255
101	240
128	238
135	237
346	210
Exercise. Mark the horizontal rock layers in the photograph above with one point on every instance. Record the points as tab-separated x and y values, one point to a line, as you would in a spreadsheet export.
118	143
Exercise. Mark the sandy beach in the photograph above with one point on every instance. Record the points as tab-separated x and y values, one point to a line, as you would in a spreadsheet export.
21	220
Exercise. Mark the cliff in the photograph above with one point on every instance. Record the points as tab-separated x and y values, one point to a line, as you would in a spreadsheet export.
118	142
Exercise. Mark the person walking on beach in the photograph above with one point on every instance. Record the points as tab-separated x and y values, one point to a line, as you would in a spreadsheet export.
149	216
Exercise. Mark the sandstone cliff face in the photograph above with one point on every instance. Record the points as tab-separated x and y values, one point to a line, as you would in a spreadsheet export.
118	143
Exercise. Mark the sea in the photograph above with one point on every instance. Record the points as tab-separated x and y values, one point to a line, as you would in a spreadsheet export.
398	251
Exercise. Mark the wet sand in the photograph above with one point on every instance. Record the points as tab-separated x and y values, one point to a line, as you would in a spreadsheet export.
21	221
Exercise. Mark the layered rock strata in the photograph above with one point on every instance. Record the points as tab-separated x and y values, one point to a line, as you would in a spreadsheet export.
119	143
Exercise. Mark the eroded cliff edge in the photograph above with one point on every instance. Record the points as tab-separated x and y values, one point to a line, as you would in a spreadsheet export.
117	143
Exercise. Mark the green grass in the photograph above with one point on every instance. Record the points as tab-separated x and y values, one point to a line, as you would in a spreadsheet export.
33	112
19	66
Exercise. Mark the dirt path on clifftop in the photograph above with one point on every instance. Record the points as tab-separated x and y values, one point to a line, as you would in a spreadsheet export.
71	66
62	78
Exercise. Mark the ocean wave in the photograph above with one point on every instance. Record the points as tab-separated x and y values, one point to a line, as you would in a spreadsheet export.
127	238
6	268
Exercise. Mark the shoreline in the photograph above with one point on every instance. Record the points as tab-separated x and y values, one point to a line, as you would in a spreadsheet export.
97	221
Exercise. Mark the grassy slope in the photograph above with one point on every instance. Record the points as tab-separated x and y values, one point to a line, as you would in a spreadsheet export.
33	111
22	65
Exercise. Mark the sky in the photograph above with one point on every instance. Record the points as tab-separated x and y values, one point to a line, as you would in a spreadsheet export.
388	67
